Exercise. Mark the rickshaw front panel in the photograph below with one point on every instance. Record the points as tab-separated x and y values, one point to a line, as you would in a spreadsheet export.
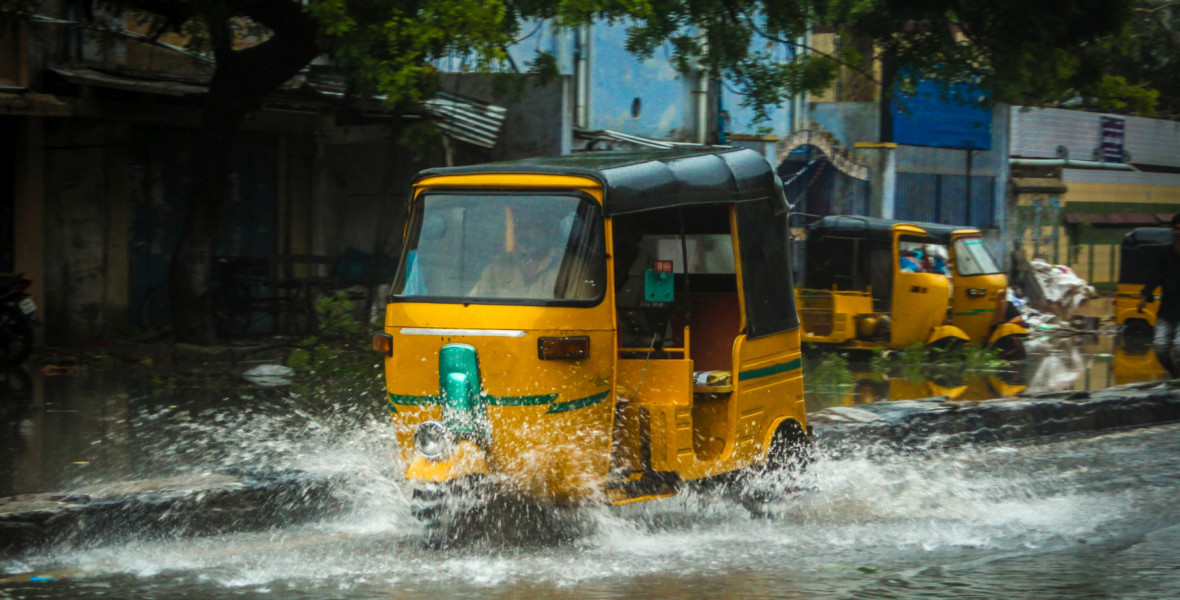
508	271
1141	250
549	420
976	302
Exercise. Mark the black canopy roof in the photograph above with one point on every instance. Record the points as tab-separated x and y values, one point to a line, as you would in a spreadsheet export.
1142	252
1148	236
652	180
878	228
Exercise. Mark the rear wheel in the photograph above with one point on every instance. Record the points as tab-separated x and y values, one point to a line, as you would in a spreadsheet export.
762	486
790	449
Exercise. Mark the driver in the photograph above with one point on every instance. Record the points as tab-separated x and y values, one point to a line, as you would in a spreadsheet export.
530	270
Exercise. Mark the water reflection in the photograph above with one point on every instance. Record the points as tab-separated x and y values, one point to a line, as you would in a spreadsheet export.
94	424
16	396
871	388
1087	362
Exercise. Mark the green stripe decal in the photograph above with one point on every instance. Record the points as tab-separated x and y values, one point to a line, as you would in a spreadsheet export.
790	365
414	400
396	400
519	400
561	407
978	311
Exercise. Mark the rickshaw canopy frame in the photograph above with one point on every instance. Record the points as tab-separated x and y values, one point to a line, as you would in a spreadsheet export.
653	180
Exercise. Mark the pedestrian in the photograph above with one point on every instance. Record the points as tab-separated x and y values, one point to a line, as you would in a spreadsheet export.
1166	341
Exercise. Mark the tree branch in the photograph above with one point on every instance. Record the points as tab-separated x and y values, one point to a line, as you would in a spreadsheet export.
857	68
1157	8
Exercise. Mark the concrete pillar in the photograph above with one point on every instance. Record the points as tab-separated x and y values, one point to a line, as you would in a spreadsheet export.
882	160
766	145
120	214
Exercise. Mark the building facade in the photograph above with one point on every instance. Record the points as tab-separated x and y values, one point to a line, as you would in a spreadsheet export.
1082	180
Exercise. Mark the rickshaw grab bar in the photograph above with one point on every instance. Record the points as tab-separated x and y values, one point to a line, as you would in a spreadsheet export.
470	332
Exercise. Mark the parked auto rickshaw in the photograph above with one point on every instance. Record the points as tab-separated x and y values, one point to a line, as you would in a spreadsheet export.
605	327
1135	364
979	300
864	287
1140	251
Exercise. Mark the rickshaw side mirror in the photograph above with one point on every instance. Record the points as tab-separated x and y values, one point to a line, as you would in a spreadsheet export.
658	282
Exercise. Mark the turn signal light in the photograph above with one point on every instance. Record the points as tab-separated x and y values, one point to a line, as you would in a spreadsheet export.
556	348
383	343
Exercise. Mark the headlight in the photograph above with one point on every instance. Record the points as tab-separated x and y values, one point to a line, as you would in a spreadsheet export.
433	440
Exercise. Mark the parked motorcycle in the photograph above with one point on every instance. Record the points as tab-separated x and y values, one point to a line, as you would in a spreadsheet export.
18	315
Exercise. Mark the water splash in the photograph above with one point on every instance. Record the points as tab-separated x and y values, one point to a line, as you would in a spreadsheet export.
872	506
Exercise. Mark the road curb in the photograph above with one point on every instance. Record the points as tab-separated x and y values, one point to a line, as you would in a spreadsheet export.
205	504
940	423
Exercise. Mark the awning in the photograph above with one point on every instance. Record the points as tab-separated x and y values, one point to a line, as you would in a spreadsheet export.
1123	219
1038	185
33	105
130	84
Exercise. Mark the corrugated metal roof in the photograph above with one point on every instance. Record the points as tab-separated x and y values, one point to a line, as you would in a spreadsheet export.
467	119
459	117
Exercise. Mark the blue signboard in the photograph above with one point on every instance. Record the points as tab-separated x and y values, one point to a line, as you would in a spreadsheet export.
932	117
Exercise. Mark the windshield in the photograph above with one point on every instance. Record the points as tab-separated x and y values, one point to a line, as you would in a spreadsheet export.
923	257
972	258
503	247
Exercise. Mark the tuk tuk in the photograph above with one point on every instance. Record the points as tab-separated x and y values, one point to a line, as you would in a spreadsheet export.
1133	363
1140	251
864	287
603	327
979	299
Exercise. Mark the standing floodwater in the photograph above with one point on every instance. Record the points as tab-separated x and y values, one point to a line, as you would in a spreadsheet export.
1082	518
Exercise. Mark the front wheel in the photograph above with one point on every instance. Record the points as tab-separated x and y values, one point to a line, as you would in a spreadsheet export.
1011	348
446	508
1138	328
16	337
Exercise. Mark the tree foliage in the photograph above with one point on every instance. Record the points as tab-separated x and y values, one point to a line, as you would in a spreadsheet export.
1032	52
1143	66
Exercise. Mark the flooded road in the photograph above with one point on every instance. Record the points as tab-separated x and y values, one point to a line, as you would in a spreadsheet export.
1086	518
1066	518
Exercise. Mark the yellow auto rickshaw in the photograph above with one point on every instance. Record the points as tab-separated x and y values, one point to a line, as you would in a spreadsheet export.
979	300
1135	364
604	327
864	287
1140	251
